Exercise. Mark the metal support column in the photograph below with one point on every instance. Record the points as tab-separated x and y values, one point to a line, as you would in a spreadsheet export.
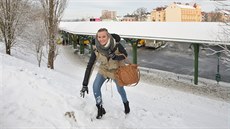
75	41
196	62
134	46
218	77
81	42
91	44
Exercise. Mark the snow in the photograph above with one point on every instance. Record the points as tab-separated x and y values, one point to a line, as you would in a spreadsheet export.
185	6
191	32
33	97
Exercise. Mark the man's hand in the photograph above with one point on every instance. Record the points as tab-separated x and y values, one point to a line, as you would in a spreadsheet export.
83	90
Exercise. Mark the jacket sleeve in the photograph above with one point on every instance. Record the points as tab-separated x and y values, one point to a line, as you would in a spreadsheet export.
89	68
123	52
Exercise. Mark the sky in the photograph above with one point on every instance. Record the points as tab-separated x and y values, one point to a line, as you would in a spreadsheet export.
92	8
33	97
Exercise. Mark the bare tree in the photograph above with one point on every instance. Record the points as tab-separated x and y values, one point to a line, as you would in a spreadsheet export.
52	12
214	17
35	39
12	20
36	34
226	47
224	35
226	32
140	14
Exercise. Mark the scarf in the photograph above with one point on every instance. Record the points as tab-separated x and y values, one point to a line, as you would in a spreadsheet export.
104	50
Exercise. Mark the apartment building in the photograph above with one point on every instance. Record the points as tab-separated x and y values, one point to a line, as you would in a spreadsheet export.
178	12
158	14
109	15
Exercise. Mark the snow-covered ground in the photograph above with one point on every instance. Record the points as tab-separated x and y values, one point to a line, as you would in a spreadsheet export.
35	98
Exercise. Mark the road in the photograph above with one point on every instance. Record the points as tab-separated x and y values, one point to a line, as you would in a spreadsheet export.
177	58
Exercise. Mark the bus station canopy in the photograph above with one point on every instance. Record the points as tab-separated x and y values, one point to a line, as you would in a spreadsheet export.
213	33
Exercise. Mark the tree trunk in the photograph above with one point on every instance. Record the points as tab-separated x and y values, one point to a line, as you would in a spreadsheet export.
51	53
8	50
52	14
51	56
12	15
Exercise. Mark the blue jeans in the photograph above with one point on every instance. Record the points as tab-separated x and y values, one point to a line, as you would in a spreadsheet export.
97	84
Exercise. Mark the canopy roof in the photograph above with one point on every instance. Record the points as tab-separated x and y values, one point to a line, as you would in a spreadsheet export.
191	32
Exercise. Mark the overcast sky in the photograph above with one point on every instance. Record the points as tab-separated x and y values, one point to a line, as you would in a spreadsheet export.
92	8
